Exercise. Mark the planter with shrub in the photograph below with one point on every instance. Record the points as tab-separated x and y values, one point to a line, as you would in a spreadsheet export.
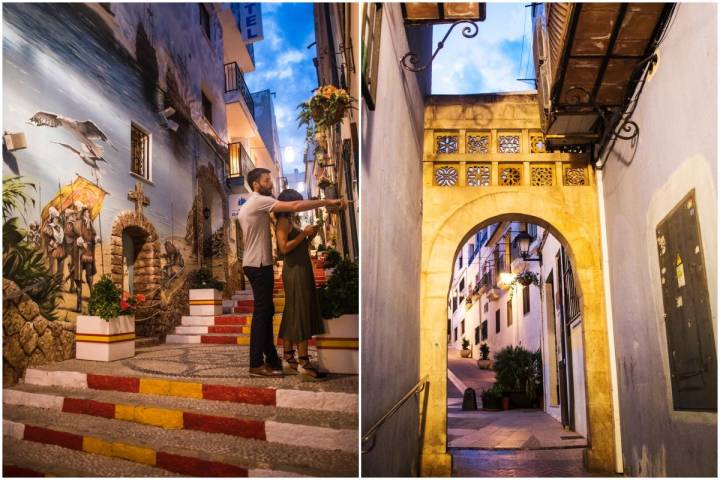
338	347
205	293
108	333
466	352
484	362
492	398
519	372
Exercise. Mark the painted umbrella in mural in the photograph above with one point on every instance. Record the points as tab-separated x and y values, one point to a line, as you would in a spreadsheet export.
81	189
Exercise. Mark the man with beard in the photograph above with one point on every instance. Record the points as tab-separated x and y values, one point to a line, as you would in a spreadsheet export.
254	218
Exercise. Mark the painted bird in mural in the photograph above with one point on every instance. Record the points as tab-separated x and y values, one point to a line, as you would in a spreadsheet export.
86	156
85	131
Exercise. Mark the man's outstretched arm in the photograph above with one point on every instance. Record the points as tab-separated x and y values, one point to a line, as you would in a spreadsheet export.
305	205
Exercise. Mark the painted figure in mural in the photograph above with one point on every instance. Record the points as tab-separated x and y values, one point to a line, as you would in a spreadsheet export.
33	234
68	220
173	258
53	239
87	239
80	231
254	218
301	316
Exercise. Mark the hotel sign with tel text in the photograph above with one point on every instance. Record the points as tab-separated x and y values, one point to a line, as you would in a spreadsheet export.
251	22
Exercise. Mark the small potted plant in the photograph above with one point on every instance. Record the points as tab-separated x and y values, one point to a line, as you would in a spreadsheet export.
108	332
205	293
492	398
527	277
484	362
331	259
325	108
337	348
466	352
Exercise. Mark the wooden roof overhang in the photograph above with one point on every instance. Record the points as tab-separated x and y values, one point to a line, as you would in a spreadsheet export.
599	50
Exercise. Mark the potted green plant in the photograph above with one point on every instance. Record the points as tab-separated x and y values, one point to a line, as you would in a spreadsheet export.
332	257
527	277
108	332
337	348
205	295
516	369
325	109
492	398
484	362
466	352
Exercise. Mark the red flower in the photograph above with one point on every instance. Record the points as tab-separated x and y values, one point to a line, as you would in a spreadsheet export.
139	297
124	305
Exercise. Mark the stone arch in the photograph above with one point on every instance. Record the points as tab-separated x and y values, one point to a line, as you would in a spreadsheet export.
209	184
572	216
147	268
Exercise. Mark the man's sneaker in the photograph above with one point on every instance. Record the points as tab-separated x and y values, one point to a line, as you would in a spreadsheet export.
265	371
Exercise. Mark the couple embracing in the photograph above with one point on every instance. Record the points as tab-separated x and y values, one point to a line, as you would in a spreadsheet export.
301	316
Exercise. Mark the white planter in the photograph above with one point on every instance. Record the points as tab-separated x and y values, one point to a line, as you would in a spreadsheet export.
105	341
338	347
205	302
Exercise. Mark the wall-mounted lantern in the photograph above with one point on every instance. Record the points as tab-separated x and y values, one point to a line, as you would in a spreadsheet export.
522	242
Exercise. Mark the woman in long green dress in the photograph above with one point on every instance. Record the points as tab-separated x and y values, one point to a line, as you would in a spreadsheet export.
301	315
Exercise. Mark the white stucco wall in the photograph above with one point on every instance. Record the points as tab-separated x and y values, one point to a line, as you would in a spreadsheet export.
676	152
390	253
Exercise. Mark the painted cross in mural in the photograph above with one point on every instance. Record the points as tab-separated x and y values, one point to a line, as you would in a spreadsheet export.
137	196
67	231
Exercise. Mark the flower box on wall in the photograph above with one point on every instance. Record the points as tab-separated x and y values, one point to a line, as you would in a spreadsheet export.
205	302
337	348
105	341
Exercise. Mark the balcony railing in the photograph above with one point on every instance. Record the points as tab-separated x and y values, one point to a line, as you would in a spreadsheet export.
235	82
239	162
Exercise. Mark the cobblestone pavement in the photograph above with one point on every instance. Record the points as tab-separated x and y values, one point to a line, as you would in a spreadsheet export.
218	364
519	463
466	370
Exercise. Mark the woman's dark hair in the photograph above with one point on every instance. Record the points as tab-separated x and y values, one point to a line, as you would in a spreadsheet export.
288	195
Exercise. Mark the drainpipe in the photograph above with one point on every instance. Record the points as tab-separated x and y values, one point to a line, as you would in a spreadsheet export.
609	317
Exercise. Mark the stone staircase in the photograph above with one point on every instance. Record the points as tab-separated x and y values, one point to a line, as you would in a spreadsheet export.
182	409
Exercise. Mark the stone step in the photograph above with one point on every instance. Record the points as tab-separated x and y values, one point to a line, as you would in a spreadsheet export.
220	339
212	329
322	430
335	401
141	342
186	452
230	319
23	458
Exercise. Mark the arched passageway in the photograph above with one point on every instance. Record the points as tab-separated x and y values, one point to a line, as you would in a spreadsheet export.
446	227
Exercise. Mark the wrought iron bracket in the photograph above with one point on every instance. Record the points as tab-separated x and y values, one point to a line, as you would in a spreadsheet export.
410	60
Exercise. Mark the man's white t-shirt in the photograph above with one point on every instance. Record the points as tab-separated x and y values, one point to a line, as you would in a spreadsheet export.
254	218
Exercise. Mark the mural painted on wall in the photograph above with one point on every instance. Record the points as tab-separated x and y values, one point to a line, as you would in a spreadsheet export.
67	232
74	84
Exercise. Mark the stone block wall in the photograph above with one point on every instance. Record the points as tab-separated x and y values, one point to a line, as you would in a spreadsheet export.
29	339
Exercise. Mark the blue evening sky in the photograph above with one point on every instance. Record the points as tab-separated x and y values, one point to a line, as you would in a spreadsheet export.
490	62
284	65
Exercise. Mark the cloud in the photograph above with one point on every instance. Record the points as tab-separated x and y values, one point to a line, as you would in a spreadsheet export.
490	62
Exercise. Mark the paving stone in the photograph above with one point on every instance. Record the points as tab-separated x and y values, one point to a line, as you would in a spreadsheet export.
217	364
62	462
519	463
206	446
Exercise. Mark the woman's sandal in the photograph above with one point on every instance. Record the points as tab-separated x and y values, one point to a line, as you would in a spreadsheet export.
306	368
289	357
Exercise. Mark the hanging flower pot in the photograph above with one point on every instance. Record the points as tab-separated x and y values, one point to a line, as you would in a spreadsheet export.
324	182
326	108
526	278
330	191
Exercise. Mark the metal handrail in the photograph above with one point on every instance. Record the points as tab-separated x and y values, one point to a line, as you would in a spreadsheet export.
370	435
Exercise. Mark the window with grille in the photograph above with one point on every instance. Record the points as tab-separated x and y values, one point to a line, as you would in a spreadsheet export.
372	24
509	313
497	321
526	300
207	107
205	21
477	335
484	330
140	151
462	327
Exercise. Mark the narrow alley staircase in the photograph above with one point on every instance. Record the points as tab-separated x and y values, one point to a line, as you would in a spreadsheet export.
180	409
